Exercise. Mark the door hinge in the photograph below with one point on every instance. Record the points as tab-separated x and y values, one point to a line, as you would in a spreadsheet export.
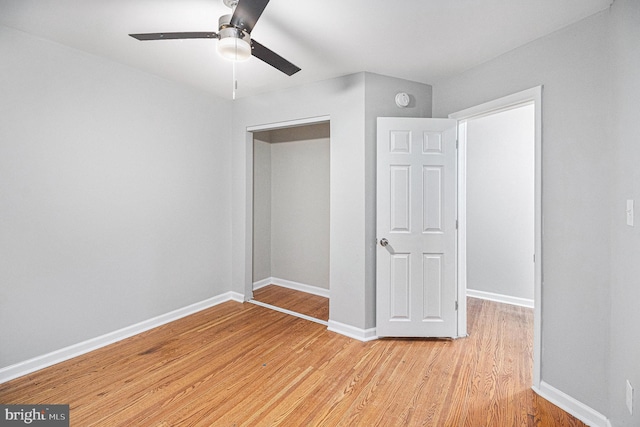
457	144
456	224
456	305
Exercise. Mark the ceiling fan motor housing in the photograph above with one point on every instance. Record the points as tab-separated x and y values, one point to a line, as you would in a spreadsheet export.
234	43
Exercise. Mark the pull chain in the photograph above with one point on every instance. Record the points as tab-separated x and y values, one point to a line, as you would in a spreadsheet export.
235	82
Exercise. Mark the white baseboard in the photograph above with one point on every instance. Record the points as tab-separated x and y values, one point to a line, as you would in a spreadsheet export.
352	332
28	366
505	299
310	289
262	283
234	296
584	413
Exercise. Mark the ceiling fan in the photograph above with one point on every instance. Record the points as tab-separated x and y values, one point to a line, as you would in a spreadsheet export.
234	35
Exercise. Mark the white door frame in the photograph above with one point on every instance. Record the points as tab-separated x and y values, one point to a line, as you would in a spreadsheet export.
529	96
248	255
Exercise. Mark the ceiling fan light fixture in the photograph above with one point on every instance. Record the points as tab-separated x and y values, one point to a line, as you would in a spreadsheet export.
234	46
234	36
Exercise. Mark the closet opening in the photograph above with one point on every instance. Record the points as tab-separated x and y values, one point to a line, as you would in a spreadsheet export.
291	194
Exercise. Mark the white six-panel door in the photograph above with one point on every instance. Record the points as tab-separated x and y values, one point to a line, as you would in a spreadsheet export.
416	289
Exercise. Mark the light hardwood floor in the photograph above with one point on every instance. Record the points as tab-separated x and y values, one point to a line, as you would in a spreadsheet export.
244	365
300	302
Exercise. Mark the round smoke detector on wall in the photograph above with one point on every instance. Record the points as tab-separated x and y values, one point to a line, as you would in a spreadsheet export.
403	99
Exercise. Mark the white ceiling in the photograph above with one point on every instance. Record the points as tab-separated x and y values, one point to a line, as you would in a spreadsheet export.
420	40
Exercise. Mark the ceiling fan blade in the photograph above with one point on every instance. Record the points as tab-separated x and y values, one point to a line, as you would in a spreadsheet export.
174	36
273	59
246	14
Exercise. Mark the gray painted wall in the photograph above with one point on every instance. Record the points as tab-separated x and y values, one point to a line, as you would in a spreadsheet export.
352	102
261	209
114	187
625	265
500	203
300	211
573	66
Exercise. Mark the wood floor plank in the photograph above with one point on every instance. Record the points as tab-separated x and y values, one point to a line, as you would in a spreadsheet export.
301	302
244	365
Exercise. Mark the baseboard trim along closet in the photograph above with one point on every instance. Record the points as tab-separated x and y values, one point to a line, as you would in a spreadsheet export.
289	312
352	331
505	299
576	408
39	362
290	284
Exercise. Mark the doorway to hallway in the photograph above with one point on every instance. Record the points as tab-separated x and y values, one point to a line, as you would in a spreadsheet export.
500	206
532	98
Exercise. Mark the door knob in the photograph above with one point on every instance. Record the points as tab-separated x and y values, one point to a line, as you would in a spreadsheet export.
384	242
